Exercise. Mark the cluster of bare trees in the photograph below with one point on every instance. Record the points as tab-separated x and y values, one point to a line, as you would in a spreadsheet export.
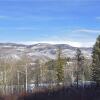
20	73
64	70
13	73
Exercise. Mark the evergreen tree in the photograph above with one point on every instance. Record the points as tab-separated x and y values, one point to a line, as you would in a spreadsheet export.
96	61
80	62
60	67
50	67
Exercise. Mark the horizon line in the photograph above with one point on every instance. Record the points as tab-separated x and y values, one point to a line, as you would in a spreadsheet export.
73	44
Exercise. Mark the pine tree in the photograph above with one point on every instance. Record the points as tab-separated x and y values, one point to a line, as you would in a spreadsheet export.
80	62
96	61
60	67
51	75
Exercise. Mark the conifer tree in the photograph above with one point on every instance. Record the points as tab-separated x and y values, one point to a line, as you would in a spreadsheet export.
96	61
80	62
60	67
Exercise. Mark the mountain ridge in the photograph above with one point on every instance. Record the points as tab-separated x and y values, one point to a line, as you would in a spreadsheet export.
40	50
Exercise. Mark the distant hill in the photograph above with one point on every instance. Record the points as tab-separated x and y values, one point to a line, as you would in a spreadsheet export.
40	50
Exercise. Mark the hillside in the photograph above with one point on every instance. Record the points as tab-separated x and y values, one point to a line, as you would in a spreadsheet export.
40	50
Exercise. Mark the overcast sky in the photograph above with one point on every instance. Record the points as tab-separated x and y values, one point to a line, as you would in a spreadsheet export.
74	22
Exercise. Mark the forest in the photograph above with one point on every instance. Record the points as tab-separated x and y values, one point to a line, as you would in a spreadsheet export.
66	78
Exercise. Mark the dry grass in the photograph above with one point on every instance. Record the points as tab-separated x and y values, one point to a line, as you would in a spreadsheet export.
69	93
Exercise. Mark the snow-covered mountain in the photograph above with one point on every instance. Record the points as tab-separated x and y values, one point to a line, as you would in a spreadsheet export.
40	50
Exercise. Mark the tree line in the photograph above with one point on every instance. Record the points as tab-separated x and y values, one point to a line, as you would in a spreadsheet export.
54	72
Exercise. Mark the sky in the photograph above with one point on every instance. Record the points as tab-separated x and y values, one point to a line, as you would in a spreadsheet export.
74	22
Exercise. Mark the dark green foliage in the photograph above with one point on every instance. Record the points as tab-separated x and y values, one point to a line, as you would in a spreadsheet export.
96	61
50	64
79	59
57	66
50	71
60	67
80	67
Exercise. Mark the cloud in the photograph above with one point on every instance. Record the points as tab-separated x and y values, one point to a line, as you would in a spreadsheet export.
16	0
75	38
86	31
4	17
34	18
46	0
98	18
19	28
25	28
